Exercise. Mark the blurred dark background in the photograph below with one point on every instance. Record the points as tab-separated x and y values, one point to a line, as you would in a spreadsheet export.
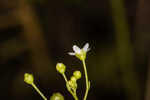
37	34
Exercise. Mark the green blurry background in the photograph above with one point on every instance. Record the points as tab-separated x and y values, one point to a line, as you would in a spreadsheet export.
36	34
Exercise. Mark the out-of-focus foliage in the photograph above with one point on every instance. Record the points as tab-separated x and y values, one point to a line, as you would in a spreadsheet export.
37	1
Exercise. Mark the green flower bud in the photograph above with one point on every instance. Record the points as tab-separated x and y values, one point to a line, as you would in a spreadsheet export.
77	74
57	96
61	68
28	78
72	84
73	79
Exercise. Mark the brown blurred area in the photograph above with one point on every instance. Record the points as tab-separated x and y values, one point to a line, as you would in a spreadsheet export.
36	34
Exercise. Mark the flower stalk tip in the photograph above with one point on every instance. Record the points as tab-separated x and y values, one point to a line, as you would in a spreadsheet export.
61	68
28	78
77	74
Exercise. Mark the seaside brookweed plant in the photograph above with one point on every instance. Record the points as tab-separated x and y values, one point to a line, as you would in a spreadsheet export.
71	84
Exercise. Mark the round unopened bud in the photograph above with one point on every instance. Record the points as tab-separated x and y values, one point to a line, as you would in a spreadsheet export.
28	78
57	96
73	78
72	84
61	68
77	74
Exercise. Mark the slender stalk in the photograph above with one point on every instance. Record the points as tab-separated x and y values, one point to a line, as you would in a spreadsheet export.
65	77
74	95
41	94
86	78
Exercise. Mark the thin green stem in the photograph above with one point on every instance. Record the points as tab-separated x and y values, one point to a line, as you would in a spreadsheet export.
41	94
75	96
86	78
65	77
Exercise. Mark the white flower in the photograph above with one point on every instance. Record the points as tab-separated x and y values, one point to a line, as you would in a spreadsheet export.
80	53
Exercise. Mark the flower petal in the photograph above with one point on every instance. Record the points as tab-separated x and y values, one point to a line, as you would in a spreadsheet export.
86	47
76	49
71	53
